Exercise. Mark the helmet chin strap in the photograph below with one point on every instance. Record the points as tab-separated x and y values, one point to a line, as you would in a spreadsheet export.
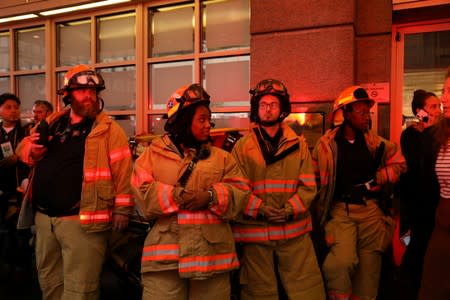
102	103
271	123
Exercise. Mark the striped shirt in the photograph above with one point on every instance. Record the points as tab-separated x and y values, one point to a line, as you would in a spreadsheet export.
443	170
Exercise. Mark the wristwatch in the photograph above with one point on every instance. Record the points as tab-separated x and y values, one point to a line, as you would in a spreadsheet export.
212	198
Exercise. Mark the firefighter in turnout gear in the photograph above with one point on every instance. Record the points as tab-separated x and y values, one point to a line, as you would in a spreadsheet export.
354	166
80	188
191	190
274	228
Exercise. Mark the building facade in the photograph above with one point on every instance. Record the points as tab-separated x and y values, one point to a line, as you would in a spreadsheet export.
146	49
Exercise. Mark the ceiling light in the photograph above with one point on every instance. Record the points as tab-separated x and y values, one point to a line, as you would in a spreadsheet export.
17	18
80	7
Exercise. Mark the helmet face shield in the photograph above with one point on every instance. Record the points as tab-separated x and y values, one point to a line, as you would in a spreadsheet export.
80	77
269	86
87	78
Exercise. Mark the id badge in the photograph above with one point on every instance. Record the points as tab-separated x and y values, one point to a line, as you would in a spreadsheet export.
7	149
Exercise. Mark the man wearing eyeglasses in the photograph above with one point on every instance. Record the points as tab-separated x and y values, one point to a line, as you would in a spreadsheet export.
354	167
274	229
80	188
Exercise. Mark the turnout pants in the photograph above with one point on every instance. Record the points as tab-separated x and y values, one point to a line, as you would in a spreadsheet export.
168	285
296	264
69	260
357	238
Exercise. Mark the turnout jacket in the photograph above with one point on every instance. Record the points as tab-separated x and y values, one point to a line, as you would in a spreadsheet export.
325	163
198	243
107	168
284	180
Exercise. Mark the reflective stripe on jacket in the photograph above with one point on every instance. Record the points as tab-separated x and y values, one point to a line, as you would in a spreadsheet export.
288	182
197	243
325	162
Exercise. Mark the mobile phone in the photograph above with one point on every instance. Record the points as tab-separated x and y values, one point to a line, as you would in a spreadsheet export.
422	115
42	129
406	239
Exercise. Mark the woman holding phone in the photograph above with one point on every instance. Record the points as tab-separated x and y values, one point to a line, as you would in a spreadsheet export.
416	213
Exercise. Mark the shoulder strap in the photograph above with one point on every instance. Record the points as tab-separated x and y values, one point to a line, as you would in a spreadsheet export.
203	153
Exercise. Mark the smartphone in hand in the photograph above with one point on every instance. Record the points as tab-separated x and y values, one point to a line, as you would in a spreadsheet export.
42	129
422	115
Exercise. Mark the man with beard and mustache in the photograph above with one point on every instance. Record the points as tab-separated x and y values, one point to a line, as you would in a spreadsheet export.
191	190
353	167
274	228
80	188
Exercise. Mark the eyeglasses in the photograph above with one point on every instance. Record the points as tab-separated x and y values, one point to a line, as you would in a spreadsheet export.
269	86
363	113
265	106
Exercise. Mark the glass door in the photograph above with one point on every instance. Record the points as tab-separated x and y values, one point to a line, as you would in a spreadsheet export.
421	56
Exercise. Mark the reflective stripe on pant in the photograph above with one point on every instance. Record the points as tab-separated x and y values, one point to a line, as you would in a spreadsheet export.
69	260
296	264
168	285
357	239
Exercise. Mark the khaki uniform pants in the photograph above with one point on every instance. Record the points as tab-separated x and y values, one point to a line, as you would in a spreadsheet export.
69	260
296	264
168	285
357	240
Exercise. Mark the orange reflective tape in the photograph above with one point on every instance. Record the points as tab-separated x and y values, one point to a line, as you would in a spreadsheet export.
238	182
308	179
208	263
119	154
272	232
88	217
253	204
197	217
161	252
123	200
165	198
97	174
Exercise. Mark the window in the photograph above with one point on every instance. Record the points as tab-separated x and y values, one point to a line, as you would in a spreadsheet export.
202	41
114	48
30	88
144	50
172	30
166	76
30	44
73	43
4	51
226	25
116	38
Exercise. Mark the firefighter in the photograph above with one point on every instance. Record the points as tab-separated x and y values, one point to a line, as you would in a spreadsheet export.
274	229
354	166
191	190
80	188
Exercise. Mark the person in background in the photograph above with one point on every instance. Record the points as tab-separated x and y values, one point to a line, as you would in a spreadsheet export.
353	167
435	187
41	110
80	188
416	213
191	190
274	229
14	243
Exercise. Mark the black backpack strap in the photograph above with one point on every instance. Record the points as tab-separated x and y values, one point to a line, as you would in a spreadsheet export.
202	153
